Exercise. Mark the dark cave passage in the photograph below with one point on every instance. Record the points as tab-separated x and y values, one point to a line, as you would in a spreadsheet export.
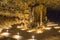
53	15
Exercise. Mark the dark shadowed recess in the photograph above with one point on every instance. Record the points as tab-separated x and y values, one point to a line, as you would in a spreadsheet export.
53	15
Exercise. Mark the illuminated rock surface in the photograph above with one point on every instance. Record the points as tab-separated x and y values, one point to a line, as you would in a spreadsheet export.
15	16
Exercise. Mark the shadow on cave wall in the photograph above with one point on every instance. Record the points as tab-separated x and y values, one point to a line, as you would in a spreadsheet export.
53	15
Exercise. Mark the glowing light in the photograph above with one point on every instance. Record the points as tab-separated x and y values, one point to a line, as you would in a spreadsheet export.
33	38
39	31
57	27
17	36
6	34
51	24
23	29
31	30
47	28
19	26
59	31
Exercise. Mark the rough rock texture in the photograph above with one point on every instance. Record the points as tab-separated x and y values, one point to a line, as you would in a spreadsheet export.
11	11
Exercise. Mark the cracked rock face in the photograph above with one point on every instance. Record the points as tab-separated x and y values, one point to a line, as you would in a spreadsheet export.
11	11
54	4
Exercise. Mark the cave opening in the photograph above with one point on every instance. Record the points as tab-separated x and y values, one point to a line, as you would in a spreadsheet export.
53	15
